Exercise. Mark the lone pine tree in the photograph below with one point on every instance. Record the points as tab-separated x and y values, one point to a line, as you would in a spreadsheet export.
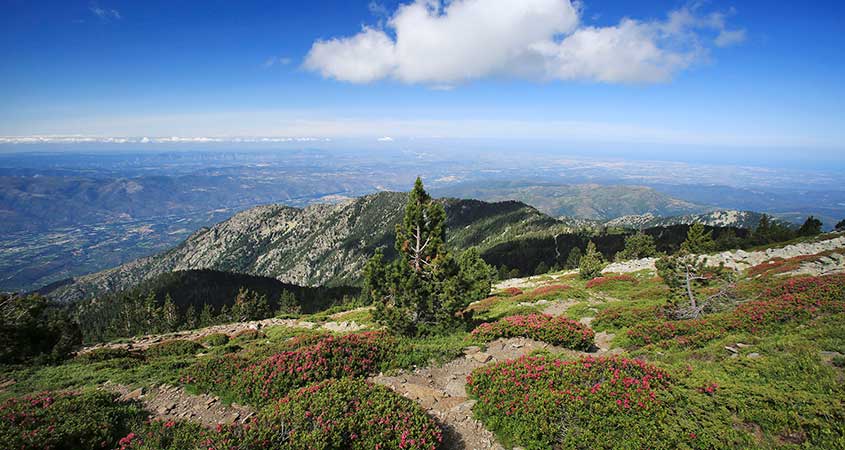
425	287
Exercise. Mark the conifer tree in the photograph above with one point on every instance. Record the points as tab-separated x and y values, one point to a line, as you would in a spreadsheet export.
206	316
639	245
698	240
811	227
542	268
591	263
288	304
425	287
169	315
190	318
574	258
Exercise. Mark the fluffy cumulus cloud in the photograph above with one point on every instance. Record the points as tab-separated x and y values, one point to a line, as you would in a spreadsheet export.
443	43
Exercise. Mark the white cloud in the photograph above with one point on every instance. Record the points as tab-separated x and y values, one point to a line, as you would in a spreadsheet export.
443	43
105	14
385	139
727	38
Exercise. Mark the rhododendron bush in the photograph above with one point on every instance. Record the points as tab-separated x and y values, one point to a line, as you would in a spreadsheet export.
606	402
354	414
331	357
794	300
52	420
559	330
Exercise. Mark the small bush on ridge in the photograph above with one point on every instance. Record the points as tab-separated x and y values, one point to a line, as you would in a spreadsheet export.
175	347
559	330
216	339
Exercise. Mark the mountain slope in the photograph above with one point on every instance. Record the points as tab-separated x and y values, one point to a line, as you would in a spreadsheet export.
583	201
721	218
317	245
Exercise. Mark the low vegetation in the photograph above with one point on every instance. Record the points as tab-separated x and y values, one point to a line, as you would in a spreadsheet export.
559	330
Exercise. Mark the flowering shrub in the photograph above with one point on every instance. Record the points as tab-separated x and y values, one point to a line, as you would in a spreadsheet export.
175	347
550	289
542	327
272	378
332	414
354	414
626	316
794	300
512	291
601	281
248	335
541	402
161	434
48	420
215	339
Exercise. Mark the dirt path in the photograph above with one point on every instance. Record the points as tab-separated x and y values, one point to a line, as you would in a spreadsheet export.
441	390
171	402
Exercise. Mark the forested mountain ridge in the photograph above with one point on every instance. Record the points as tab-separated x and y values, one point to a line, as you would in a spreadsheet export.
317	245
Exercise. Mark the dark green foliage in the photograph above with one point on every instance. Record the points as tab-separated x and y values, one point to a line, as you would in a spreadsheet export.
175	347
250	305
840	226
216	339
687	275
811	227
146	309
699	240
426	286
637	246
66	421
33	329
770	231
104	354
573	261
541	268
591	263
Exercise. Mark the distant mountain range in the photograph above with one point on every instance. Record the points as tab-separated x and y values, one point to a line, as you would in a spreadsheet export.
581	201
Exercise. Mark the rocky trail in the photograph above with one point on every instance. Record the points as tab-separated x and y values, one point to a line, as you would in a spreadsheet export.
173	403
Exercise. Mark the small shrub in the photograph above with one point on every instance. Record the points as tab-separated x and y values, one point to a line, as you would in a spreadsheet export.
175	347
550	289
627	316
559	330
248	335
511	291
104	354
65	421
216	339
272	378
354	414
603	281
539	402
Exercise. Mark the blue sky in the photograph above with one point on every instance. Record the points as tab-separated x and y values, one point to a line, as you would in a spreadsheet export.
732	75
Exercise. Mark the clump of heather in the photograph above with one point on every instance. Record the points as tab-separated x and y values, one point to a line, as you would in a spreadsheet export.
273	377
174	347
602	281
549	289
559	330
626	316
541	402
52	420
354	414
794	300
